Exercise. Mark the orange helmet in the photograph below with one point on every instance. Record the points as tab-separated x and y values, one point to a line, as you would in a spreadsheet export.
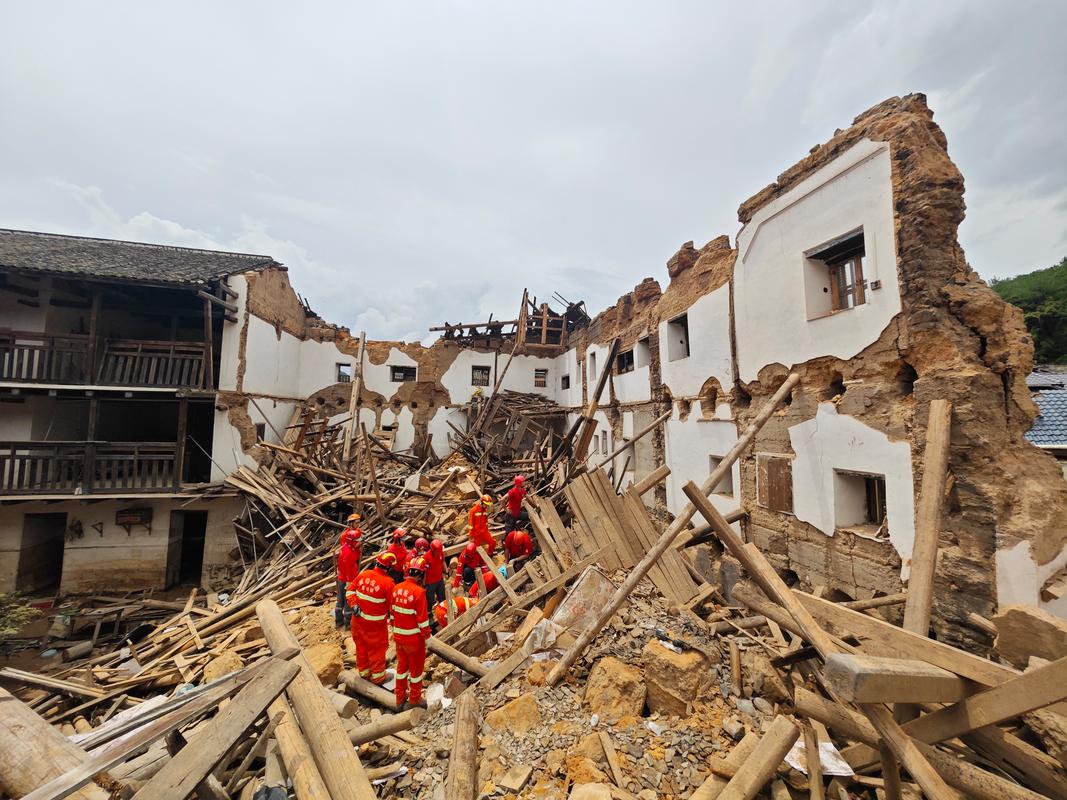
418	566
386	560
487	500
353	517
399	534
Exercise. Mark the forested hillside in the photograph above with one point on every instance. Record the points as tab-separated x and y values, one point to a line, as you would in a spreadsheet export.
1042	295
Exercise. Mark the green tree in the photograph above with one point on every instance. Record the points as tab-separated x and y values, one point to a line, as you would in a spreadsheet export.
1042	295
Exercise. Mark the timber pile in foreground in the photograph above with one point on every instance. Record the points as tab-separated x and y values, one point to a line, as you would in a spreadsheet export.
607	667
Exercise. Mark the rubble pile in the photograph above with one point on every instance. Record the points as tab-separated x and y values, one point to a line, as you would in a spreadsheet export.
608	665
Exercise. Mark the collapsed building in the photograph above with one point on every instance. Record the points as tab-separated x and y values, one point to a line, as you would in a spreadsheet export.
134	378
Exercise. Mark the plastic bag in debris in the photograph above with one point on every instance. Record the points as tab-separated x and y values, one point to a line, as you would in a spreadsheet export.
543	636
586	599
831	760
435	696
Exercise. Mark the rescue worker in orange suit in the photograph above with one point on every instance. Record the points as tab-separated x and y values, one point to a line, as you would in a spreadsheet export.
411	629
466	562
519	547
400	553
478	524
489	578
347	567
516	516
459	605
435	572
369	596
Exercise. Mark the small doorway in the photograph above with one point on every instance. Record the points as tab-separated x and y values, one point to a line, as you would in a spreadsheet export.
185	547
40	565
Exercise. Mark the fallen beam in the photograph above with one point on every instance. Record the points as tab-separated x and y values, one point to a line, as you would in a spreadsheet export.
872	679
760	766
296	755
386	725
338	763
462	780
969	779
454	656
364	688
32	752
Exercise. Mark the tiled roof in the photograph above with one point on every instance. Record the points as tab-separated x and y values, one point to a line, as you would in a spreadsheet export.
110	259
1050	428
1048	376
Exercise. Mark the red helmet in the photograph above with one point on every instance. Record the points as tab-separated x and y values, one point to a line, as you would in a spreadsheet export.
438	547
471	549
421	544
418	566
386	560
350	536
520	480
399	534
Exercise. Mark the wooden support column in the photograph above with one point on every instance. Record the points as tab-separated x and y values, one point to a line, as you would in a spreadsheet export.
338	763
179	453
92	355
928	519
355	401
208	374
89	456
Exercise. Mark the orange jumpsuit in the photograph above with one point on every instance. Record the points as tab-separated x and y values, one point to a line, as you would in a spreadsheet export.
478	528
459	605
369	593
411	629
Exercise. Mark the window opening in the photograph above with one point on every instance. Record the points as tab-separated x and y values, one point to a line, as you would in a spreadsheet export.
402	374
725	486
624	362
540	378
565	382
678	338
479	376
344	373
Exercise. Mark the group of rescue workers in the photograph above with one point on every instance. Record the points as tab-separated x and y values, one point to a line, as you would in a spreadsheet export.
403	589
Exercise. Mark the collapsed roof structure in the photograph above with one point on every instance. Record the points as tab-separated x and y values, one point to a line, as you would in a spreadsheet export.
774	499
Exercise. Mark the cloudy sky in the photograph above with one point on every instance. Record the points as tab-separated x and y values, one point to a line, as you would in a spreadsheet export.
417	162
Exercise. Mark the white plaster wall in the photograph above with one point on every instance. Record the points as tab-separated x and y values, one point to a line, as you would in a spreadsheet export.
376	377
405	429
318	365
229	351
770	311
518	378
633	386
709	347
689	444
438	426
833	441
567	364
600	353
1020	578
272	361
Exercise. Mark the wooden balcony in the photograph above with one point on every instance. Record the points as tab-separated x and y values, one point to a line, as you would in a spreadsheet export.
27	357
58	468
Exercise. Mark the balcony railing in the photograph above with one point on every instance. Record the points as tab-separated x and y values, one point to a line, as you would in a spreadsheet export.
27	357
43	358
88	467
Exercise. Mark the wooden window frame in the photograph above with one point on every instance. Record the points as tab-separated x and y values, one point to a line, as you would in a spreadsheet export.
476	369
540	378
404	371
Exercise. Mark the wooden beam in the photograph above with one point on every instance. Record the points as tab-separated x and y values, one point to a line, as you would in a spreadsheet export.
754	772
296	755
971	780
928	519
761	571
454	656
386	725
210	298
180	776
1033	689
713	785
652	480
874	679
462	780
33	753
668	537
338	763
